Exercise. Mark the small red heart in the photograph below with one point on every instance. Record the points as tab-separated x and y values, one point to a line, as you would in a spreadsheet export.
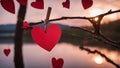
66	4
39	4
57	63
48	39
8	5
87	3
23	2
26	26
7	51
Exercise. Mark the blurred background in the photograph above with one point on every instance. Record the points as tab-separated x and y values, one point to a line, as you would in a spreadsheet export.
67	48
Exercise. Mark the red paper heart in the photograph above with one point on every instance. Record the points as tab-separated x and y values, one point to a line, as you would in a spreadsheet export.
26	26
8	5
66	4
48	39
39	4
87	3
57	63
7	51
23	2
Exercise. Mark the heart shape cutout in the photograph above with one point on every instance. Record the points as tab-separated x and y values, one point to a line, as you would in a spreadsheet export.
48	39
57	63
87	3
66	4
23	2
39	4
8	5
7	52
25	26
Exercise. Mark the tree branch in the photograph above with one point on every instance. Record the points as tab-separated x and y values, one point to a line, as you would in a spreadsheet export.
86	18
110	12
96	34
100	38
101	54
83	29
64	18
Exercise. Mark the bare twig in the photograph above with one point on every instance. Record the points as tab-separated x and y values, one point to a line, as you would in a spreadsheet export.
101	54
37	23
64	18
100	37
83	29
110	12
86	18
115	42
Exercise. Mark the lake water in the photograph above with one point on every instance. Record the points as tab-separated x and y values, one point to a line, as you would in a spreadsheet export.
36	57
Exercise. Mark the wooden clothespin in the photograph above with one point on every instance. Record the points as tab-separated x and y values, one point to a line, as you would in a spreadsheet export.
47	18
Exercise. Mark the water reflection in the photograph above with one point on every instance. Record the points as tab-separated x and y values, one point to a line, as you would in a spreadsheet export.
36	57
98	59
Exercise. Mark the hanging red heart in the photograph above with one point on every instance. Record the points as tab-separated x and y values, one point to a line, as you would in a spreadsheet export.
48	39
39	4
26	26
7	51
23	2
57	63
87	3
66	4
8	5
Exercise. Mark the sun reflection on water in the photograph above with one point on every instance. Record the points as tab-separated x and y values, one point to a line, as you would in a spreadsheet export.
98	59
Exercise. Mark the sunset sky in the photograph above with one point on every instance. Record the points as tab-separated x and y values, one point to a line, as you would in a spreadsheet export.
76	9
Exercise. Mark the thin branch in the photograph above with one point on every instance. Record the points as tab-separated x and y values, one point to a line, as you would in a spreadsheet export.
37	23
64	18
100	37
101	54
57	19
106	42
115	42
86	18
110	12
83	29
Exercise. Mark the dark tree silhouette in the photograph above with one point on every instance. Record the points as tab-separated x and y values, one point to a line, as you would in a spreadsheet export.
18	57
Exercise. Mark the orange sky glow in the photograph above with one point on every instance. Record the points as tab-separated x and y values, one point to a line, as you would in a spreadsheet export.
76	9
